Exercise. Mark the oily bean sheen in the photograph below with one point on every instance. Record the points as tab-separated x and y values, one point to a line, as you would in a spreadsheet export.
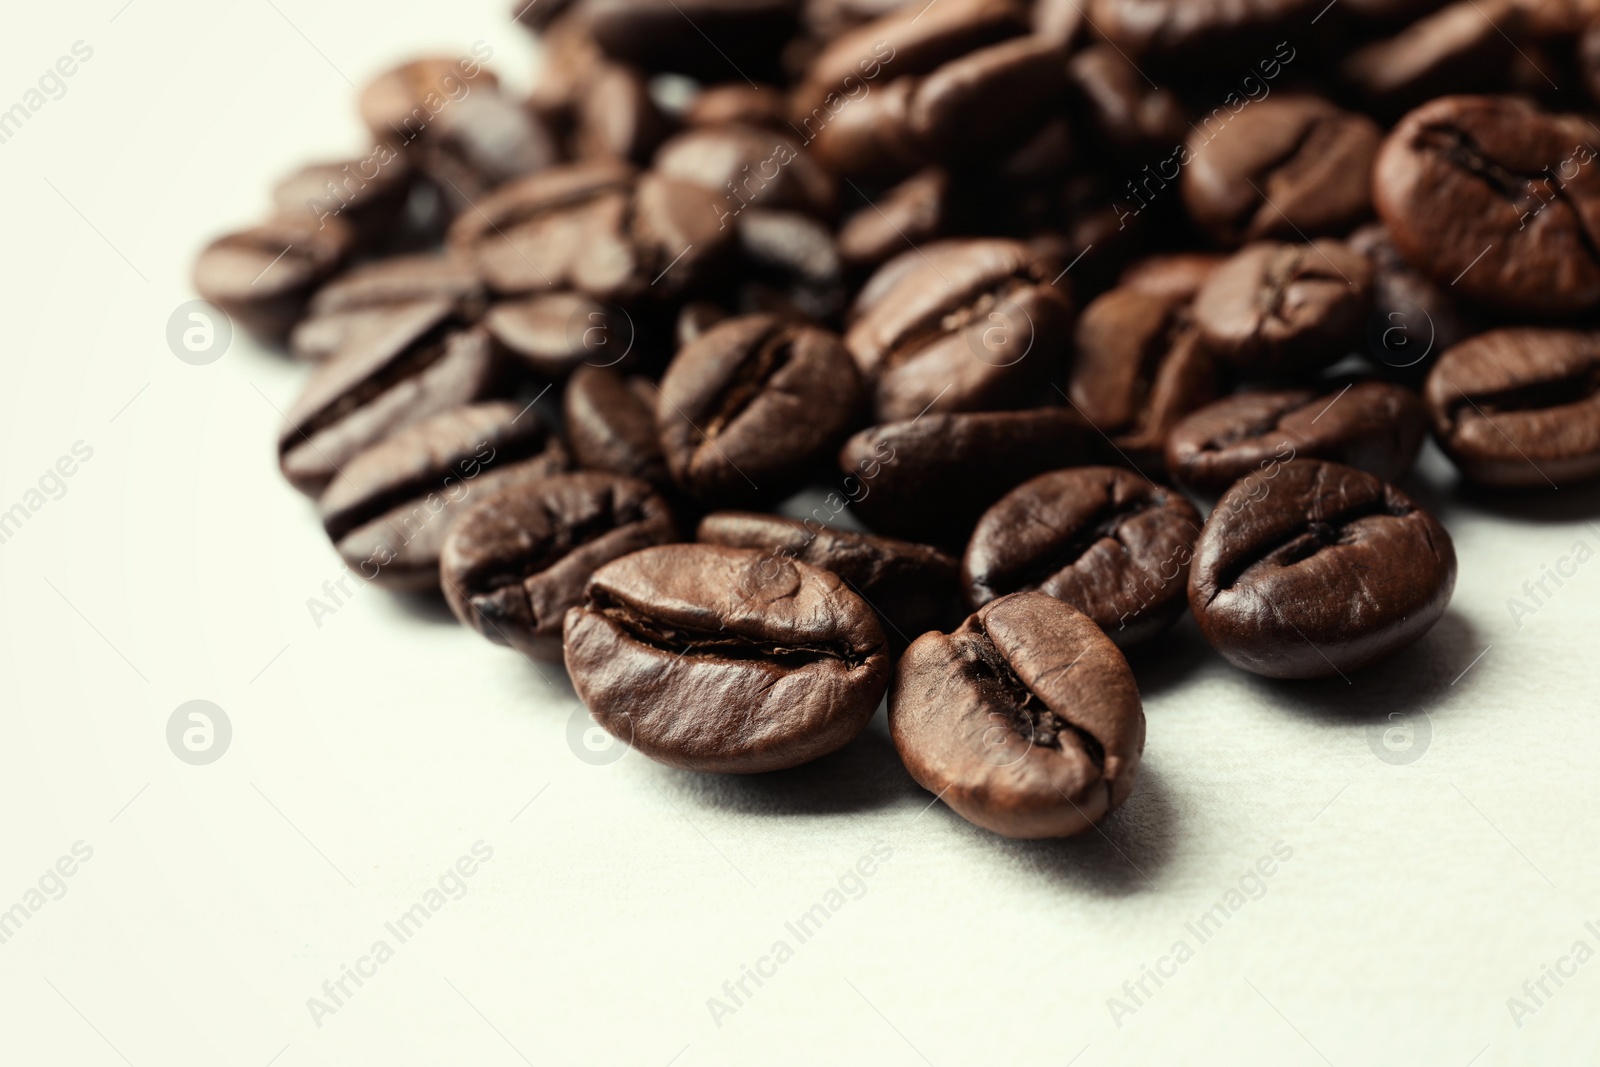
519	558
389	510
930	478
917	210
725	659
1497	199
611	424
751	405
976	326
1372	426
1314	569
423	360
1519	407
1289	166
912	587
366	297
1026	720
262	277
747	166
1413	316
1105	540
1285	310
554	333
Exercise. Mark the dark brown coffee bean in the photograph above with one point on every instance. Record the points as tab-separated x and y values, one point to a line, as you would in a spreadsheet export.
1519	407
594	228
749	407
913	588
916	211
1140	367
1372	426
1176	275
747	166
740	104
1111	543
367	296
827	19
422	361
390	509
1111	98
978	327
1282	310
1463	48
262	277
1025	720
611	424
725	659
930	478
617	118
1413	317
519	558
1497	199
1289	166
1312	569
369	194
554	333
1186	36
451	121
693	37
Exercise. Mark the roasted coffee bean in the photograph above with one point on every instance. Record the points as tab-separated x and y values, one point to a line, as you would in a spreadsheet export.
1140	367
517	559
1110	542
616	117
725	659
747	166
553	333
262	277
827	19
1413	317
369	194
980	326
749	407
611	424
1312	569
1519	407
1026	720
1125	111
929	478
1285	310
693	37
1188	36
596	228
911	214
913	588
1177	275
422	361
366	297
450	120
1497	199
1289	166
790	266
390	509
740	104
1372	426
886	277
1463	48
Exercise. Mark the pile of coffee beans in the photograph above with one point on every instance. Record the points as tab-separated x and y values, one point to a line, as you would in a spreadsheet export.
1091	311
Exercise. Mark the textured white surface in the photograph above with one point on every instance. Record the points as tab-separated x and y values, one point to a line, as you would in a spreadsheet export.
371	752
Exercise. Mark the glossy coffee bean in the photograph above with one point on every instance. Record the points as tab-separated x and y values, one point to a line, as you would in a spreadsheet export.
1110	542
911	214
1291	166
750	406
616	117
1413	317
423	360
1187	36
519	558
1519	407
611	424
977	326
367	296
1465	47
748	166
1026	720
554	333
367	194
451	121
1285	310
390	509
740	104
1496	199
597	228
930	478
263	277
1314	569
913	588
725	659
1112	98
1139	368
1372	426
794	255
1176	275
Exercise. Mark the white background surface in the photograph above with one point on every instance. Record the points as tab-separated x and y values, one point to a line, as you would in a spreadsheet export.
371	752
